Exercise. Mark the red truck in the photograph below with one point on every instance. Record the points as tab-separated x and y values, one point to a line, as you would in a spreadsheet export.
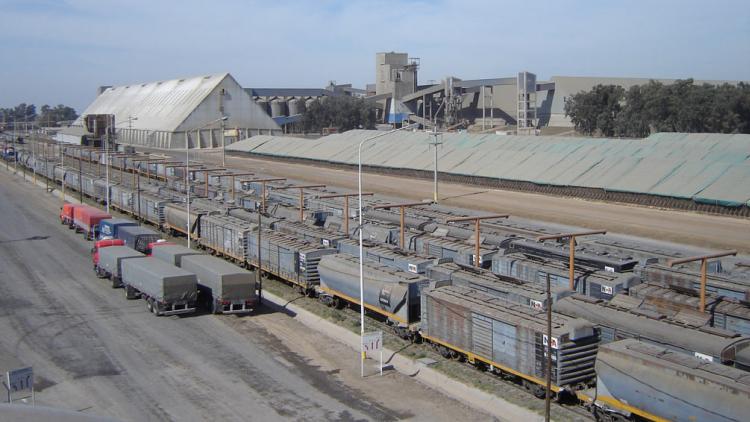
86	219
103	244
66	213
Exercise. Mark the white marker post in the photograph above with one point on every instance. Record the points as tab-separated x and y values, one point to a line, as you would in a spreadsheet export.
373	342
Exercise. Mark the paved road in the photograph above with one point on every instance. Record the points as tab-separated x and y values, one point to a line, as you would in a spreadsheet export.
92	349
690	228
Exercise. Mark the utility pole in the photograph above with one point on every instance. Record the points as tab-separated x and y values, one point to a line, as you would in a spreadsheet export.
477	241
346	205
80	179
258	277
572	239
435	143
548	372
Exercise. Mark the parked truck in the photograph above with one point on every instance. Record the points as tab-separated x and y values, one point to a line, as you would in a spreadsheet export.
109	260
66	213
223	287
109	227
171	253
138	237
100	244
167	290
86	219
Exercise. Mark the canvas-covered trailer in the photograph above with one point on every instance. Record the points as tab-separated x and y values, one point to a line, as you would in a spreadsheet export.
657	383
110	262
109	227
510	337
138	237
167	290
226	287
173	254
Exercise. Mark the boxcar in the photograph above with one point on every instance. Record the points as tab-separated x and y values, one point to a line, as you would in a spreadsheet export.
510	338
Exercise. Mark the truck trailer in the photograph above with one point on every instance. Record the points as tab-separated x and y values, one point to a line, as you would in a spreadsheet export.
167	290
108	261
138	237
86	219
224	287
109	227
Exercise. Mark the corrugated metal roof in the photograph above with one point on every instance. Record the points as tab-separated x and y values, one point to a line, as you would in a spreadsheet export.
712	168
160	105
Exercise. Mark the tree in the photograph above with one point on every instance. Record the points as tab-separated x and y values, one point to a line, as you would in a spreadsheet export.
681	106
341	112
53	116
596	111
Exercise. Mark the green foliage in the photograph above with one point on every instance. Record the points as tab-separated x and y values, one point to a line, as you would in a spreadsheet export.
27	113
609	110
52	116
342	112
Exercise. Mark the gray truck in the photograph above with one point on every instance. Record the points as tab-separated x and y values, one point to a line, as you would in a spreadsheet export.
167	290
109	264
224	287
172	254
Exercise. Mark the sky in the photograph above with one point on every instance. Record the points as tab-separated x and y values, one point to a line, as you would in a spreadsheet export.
60	51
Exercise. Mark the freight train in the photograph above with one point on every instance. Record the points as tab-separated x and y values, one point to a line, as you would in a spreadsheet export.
432	290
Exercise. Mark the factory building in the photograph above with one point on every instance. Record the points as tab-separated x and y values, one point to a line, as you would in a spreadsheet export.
167	114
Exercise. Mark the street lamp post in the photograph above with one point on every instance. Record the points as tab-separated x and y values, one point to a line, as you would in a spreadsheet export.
361	248
187	171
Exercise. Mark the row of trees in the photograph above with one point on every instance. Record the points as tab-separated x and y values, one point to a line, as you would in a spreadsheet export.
47	116
610	110
341	112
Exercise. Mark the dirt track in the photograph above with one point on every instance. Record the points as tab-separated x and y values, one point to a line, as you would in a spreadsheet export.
691	228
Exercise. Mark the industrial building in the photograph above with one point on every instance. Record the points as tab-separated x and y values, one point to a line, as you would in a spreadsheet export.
520	102
169	114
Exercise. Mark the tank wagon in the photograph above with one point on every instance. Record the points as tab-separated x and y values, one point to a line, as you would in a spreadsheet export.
403	260
617	323
594	283
529	294
176	218
167	290
110	262
509	338
288	258
725	313
652	382
224	287
388	292
138	237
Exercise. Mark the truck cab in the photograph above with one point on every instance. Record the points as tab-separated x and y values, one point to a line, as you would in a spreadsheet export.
103	244
66	214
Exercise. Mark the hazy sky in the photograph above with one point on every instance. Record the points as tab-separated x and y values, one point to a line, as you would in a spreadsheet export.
58	51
